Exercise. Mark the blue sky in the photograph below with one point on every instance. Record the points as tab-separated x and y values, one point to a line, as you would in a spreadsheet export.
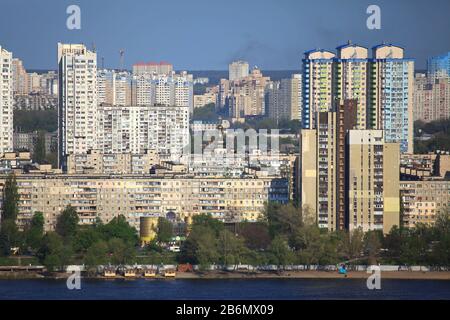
208	34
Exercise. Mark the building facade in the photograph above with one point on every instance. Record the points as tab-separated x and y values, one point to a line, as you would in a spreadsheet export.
105	197
238	70
6	101
77	112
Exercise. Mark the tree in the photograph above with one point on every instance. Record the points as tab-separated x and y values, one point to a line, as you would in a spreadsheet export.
122	252
372	245
53	253
96	255
165	230
231	248
35	231
201	246
280	252
9	235
255	234
118	227
67	223
39	147
11	198
283	219
208	221
351	244
85	238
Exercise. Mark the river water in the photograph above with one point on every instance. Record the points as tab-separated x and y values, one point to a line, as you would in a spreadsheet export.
265	289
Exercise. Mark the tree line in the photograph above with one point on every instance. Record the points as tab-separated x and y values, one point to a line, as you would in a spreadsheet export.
284	236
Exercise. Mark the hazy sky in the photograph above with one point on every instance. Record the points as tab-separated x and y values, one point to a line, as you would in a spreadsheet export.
208	34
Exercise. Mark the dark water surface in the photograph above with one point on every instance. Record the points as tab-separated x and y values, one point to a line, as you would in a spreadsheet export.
225	289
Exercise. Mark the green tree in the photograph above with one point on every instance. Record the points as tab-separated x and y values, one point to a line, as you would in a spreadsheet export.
9	235
118	227
255	234
231	248
67	223
35	231
372	245
165	230
11	198
280	252
53	253
122	252
85	237
283	219
97	254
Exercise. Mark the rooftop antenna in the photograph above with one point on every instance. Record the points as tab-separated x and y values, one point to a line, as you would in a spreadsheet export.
93	47
103	62
122	53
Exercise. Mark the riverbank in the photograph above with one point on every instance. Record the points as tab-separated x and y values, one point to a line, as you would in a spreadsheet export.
406	275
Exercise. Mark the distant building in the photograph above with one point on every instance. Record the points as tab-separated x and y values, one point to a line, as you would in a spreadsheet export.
202	80
439	64
20	77
114	87
6	101
152	68
135	129
284	99
201	100
431	97
27	141
247	96
166	89
238	70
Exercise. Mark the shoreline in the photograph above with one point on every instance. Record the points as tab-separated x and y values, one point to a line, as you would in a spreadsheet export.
223	275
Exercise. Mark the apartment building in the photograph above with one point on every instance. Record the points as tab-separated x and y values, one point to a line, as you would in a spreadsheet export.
238	70
391	95
423	201
6	101
135	129
373	188
105	197
77	113
166	89
350	78
284	99
431	97
317	85
114	87
20	77
96	162
439	64
247	95
152	68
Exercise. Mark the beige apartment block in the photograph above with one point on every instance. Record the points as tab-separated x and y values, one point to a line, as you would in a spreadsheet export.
308	172
374	196
423	201
135	196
